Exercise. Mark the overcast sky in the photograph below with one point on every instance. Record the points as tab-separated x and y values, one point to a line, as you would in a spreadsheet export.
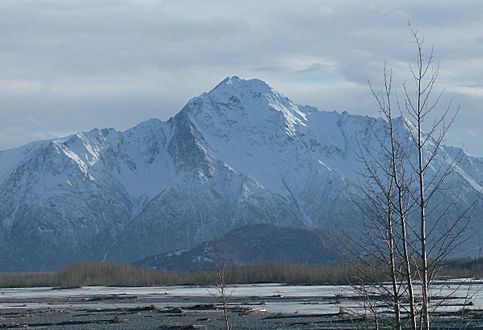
68	66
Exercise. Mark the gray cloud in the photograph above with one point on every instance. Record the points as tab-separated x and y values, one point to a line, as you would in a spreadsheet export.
69	66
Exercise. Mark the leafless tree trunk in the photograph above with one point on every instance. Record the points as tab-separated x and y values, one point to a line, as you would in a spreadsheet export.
420	106
221	293
380	248
393	270
419	75
393	151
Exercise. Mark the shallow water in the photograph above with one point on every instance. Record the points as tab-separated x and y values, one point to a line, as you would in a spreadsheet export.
274	298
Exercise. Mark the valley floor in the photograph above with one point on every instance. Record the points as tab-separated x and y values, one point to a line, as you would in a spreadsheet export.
268	306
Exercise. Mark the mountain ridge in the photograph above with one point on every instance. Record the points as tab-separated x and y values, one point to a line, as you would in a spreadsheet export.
239	154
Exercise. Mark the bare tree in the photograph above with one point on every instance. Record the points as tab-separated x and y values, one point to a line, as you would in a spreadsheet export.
222	294
401	182
394	171
445	233
384	205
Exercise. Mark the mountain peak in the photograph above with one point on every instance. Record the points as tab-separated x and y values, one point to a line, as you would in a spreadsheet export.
245	104
234	83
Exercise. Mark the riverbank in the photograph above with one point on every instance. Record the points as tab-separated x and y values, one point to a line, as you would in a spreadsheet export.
264	306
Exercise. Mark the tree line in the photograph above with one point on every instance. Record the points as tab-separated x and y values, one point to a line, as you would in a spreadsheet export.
112	274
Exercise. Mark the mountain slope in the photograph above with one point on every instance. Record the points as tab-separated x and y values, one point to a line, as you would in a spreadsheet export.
252	244
239	154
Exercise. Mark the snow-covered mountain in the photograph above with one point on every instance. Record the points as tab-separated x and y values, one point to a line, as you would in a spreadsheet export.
239	154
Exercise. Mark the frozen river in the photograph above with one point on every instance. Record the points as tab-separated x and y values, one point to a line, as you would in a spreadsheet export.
271	298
